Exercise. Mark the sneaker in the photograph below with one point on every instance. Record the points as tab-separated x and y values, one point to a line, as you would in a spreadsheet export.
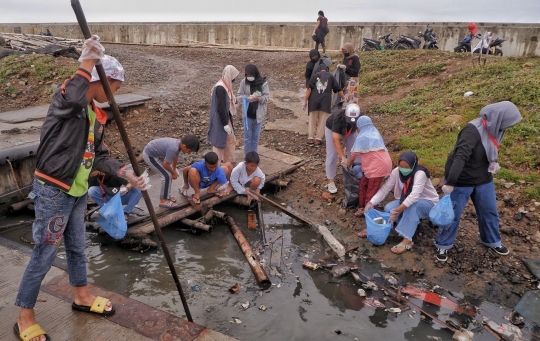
442	255
332	188
501	250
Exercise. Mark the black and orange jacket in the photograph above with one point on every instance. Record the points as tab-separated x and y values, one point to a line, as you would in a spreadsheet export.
64	135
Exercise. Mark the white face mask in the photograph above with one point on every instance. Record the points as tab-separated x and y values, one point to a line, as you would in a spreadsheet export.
251	79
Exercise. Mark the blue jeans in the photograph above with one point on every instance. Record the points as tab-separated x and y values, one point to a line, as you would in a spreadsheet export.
485	205
130	199
409	219
252	132
57	215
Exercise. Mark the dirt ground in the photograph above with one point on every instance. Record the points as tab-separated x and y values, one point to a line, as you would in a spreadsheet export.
180	81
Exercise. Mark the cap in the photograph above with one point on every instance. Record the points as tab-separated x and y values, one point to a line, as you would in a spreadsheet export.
112	68
472	28
352	112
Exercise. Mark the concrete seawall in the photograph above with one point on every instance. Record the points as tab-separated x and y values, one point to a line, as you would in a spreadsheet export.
521	39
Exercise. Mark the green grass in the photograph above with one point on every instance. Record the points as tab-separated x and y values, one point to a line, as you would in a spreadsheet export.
35	67
421	113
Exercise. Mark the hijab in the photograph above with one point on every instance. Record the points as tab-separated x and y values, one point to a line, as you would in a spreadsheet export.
492	124
314	53
254	85
350	49
408	181
369	139
229	73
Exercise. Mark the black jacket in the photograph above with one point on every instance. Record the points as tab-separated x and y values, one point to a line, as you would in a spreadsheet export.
353	66
64	136
467	165
108	183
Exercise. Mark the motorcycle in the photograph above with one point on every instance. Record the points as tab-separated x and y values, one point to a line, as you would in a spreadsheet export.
465	43
430	42
495	48
404	42
374	44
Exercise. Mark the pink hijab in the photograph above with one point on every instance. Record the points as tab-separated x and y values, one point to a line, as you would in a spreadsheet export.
229	73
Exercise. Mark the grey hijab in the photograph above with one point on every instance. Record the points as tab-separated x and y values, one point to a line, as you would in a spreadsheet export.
492	124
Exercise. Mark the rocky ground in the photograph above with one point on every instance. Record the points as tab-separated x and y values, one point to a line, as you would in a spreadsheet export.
180	81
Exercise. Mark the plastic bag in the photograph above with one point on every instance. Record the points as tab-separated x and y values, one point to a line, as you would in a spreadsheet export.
351	184
377	233
340	270
442	214
111	218
147	180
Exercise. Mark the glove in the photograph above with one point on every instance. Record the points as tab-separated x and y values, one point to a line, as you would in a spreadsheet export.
394	215
92	49
447	189
227	129
343	67
344	162
123	190
368	206
134	180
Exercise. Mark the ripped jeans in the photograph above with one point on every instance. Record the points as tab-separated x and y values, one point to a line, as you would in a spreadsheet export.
57	215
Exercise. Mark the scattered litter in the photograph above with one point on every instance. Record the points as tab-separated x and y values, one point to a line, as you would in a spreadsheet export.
410	315
468	93
263	307
340	270
131	259
195	288
463	335
393	310
245	305
361	292
235	320
434	338
508	331
337	331
372	302
279	285
370	286
235	288
391	279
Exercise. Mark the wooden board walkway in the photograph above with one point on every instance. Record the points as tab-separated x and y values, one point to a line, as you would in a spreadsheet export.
273	163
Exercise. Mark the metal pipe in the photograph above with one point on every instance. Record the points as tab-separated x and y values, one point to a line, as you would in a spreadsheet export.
196	225
258	270
75	4
20	205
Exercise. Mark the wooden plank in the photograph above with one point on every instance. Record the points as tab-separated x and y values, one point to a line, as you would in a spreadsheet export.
332	241
126	100
279	156
24	115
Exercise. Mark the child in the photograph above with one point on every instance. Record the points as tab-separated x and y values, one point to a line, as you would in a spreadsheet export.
247	177
206	174
162	156
70	148
376	162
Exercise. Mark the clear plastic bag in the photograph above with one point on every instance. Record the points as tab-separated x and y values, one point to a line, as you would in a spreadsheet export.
146	178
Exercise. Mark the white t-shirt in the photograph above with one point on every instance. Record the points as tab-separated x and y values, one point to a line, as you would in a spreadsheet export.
239	178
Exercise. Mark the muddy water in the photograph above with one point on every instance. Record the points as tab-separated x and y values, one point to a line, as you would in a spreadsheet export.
301	304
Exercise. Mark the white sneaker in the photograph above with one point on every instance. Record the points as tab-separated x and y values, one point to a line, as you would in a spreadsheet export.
332	187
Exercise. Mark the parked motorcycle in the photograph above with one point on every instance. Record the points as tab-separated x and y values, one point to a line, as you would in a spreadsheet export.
430	41
465	43
495	48
404	42
374	44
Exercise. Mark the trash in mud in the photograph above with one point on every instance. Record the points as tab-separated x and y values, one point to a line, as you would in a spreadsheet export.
310	265
195	288
370	286
393	310
528	305
340	270
245	305
235	288
468	93
516	319
507	331
436	299
337	331
235	320
391	279
434	338
373	302
463	335
361	293
262	307
452	322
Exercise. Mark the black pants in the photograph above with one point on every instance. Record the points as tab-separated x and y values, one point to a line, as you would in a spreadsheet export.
322	44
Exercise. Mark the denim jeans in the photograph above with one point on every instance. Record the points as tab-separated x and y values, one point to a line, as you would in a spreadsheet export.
130	199
252	132
485	205
410	218
57	215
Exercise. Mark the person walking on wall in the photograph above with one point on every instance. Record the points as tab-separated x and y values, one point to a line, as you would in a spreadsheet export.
222	108
320	31
255	88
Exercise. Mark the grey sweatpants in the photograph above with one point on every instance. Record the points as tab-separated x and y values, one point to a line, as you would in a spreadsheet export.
157	166
332	155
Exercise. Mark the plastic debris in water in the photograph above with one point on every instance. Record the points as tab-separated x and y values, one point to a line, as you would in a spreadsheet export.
434	338
195	288
361	292
262	307
393	310
463	335
370	285
391	279
235	320
372	302
508	331
340	270
245	305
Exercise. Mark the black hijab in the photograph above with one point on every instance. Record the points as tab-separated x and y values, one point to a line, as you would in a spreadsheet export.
254	85
408	181
314	53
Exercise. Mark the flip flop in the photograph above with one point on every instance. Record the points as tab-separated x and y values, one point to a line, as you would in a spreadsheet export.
173	199
31	332
169	204
359	214
405	247
362	234
98	307
196	200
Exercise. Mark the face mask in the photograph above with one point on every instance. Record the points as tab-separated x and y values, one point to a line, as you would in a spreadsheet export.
314	60
346	54
251	79
405	171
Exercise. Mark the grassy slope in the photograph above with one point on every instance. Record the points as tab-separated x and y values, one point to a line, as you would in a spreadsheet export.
432	110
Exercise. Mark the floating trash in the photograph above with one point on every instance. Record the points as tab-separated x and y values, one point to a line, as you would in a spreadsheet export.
361	293
372	302
262	307
245	305
393	310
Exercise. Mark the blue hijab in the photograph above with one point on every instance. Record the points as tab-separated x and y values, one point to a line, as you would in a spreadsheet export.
369	139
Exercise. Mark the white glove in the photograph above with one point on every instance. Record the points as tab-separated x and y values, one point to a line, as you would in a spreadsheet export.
92	49
447	189
393	215
134	180
343	67
344	162
123	190
227	129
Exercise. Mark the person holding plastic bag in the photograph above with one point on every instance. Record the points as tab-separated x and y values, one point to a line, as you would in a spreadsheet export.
414	194
71	146
469	173
376	161
255	92
320	31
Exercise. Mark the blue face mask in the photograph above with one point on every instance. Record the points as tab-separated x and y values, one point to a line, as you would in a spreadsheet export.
405	171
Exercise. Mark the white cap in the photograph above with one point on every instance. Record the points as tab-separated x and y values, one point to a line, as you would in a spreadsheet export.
352	112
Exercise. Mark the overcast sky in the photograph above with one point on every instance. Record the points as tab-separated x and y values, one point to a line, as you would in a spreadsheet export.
49	11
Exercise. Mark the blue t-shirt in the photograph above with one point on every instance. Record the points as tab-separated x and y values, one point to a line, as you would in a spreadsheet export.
206	178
